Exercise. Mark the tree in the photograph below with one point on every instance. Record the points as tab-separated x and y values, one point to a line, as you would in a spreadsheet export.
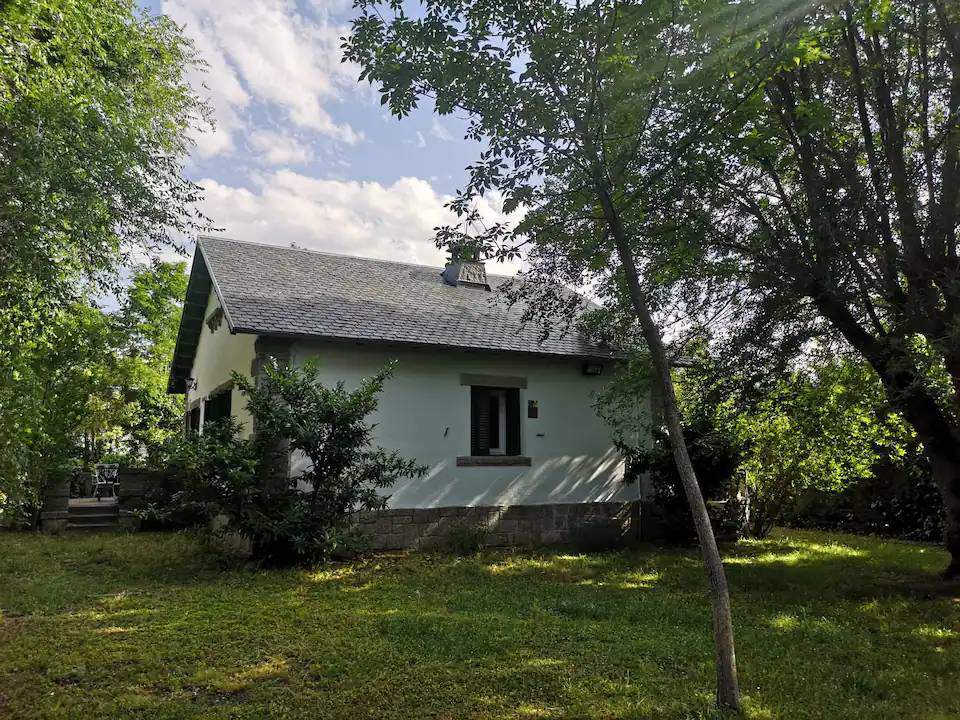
837	198
95	119
145	334
91	387
45	408
568	101
823	428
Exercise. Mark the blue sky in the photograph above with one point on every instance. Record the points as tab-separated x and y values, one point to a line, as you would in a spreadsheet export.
304	153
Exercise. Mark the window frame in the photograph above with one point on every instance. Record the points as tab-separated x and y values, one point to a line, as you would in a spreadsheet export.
509	424
220	394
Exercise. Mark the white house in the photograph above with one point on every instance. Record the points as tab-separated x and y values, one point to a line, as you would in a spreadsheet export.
503	418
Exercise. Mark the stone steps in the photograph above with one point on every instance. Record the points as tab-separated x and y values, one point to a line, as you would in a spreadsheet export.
99	517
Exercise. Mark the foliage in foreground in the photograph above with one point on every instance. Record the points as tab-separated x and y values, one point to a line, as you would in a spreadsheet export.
96	116
150	626
93	389
96	121
299	517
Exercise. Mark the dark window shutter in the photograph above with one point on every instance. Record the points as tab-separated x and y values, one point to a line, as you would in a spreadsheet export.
218	407
479	421
513	421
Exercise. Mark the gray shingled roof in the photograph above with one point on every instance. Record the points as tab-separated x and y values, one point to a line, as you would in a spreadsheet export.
274	290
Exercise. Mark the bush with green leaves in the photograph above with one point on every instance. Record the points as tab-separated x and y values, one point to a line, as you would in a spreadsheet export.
823	429
300	518
205	476
715	458
899	499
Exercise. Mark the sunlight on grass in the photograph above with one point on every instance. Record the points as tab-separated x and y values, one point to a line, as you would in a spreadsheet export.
101	614
544	663
932	632
563	563
785	621
165	630
639	580
532	711
114	630
808	552
331	574
218	681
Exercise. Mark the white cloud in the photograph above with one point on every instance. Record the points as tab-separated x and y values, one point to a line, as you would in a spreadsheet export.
391	222
277	148
418	140
439	131
267	51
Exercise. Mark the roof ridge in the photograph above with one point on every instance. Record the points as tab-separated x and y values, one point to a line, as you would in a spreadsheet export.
289	248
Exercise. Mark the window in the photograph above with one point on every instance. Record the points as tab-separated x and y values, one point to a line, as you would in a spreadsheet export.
494	421
217	406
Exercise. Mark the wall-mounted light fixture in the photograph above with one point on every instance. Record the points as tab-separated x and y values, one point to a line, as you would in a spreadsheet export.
593	369
191	383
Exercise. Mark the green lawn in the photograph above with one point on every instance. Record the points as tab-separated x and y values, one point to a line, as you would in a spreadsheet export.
150	626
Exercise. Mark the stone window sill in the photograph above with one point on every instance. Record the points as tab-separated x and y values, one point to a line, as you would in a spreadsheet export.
493	461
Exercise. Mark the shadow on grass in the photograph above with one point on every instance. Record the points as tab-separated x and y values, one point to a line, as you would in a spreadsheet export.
500	634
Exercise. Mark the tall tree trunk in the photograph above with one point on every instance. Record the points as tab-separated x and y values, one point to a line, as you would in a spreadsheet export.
946	472
728	686
904	385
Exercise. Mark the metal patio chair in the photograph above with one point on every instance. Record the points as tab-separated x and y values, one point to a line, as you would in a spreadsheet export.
106	479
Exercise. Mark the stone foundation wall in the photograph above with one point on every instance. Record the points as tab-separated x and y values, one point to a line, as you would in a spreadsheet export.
135	485
560	524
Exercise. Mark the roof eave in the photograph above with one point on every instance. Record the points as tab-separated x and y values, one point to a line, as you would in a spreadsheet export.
600	355
202	279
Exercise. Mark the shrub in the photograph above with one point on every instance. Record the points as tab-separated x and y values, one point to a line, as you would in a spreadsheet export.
898	499
301	519
205	476
308	517
464	540
715	460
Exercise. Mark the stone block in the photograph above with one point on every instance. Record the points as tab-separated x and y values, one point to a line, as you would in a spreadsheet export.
54	522
425	515
432	543
410	534
499	539
507	525
554	537
383	525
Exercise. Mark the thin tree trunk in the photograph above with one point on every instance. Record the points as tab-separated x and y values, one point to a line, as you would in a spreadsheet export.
728	686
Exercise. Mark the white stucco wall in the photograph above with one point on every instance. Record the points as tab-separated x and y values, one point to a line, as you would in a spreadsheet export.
219	353
424	413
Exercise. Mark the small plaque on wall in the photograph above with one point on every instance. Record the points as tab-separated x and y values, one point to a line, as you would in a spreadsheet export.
533	409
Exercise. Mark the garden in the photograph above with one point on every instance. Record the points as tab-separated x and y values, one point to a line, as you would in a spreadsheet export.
760	197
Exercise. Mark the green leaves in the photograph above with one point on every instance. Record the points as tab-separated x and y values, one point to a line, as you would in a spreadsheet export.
92	387
95	120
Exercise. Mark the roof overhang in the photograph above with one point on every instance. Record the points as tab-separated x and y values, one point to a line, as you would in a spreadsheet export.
191	321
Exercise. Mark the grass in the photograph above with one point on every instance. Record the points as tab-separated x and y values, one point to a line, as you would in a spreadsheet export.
150	626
